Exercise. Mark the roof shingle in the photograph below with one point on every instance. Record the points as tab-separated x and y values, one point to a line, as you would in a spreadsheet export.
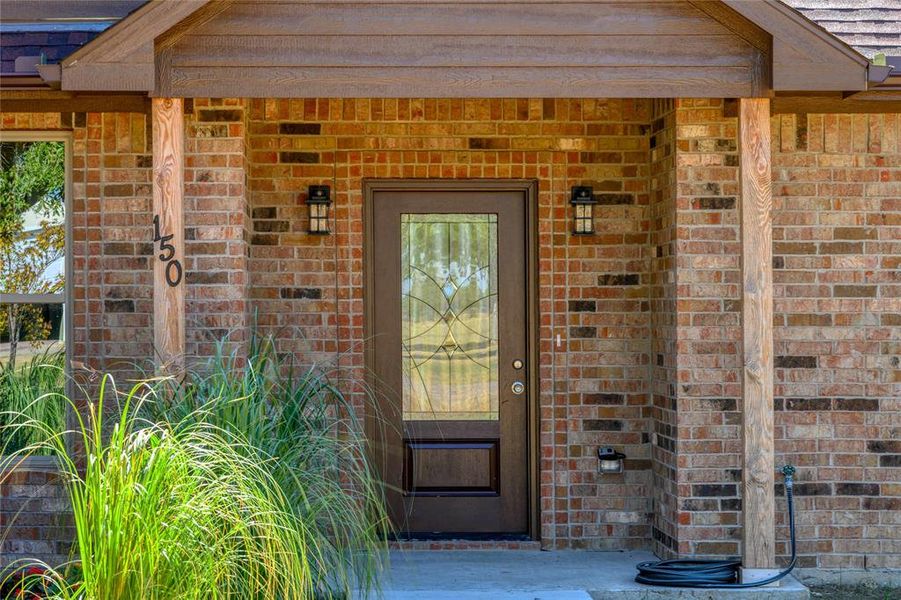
53	42
869	26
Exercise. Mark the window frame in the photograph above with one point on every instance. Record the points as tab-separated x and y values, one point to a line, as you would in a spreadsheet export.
66	138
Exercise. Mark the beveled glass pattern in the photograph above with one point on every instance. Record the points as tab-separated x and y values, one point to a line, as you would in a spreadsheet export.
449	316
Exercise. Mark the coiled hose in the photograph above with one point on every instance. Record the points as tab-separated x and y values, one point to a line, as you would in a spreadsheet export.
690	573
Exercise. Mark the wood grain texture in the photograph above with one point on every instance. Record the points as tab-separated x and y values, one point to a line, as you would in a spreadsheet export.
197	18
449	18
137	31
462	51
806	56
121	77
735	22
58	101
443	49
864	103
122	57
462	82
168	202
758	502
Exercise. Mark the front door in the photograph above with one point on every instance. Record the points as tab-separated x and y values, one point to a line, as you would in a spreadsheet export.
448	336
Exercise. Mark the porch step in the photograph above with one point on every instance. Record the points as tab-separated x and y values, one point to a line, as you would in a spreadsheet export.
534	575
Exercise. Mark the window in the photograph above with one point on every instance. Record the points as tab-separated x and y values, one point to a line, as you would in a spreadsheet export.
34	268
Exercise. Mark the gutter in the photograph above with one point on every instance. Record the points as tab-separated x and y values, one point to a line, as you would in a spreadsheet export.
45	77
883	81
878	74
23	81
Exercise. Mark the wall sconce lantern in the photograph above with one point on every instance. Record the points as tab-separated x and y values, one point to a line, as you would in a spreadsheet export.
318	202
610	461
583	202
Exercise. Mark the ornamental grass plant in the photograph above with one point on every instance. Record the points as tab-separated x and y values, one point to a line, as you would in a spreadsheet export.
32	392
243	480
301	426
163	513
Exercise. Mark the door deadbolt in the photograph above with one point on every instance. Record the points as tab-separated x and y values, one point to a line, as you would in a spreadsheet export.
517	364
518	387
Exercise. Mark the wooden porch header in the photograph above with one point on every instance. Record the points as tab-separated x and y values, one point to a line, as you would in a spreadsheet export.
525	48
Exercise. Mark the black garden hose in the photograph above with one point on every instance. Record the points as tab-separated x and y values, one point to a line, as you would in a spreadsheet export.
688	573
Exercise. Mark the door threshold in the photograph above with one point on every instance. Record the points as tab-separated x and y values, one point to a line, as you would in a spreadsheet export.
455	543
463	537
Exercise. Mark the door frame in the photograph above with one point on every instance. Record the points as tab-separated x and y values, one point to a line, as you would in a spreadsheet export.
529	189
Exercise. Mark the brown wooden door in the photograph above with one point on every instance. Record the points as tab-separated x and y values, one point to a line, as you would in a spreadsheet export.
448	335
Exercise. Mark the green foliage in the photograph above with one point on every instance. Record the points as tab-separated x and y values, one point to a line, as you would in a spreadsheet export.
247	480
32	177
300	425
23	264
32	174
32	393
166	512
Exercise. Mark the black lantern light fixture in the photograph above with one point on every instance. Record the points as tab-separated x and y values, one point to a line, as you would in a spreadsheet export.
583	202
610	461
318	201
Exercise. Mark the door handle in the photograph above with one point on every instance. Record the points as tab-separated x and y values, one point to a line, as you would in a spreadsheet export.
518	387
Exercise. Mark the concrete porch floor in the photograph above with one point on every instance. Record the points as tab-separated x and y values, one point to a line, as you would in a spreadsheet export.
534	575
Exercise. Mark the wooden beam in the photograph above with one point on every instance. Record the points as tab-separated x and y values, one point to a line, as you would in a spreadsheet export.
168	234
736	23
461	82
122	57
865	103
68	102
750	33
758	501
806	57
136	32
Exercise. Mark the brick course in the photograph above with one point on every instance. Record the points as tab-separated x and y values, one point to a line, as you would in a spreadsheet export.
34	516
593	389
647	310
836	246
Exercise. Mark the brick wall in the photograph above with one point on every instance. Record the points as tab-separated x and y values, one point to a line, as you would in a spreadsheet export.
35	520
837	270
111	279
837	226
662	378
216	221
707	383
593	291
647	311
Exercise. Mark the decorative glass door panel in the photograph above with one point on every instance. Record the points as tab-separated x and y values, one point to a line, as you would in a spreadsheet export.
447	331
449	316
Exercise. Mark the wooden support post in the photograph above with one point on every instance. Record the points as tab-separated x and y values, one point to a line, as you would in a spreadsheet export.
758	502
168	234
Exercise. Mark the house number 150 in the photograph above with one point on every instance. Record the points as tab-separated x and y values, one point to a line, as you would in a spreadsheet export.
167	254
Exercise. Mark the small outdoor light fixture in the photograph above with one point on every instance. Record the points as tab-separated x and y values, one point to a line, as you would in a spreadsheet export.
318	201
610	461
583	202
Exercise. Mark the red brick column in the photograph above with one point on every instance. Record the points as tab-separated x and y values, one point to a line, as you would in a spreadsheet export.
216	222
